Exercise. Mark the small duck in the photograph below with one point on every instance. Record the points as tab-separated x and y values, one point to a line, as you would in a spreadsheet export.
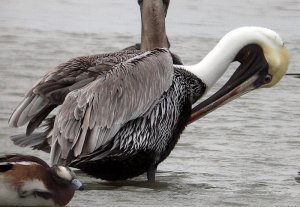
29	181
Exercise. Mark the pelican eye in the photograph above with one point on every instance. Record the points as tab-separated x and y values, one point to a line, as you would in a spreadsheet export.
267	79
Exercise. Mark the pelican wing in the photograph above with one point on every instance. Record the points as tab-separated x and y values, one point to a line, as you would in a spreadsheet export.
91	116
51	90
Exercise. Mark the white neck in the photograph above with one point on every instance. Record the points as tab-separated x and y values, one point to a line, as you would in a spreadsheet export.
217	61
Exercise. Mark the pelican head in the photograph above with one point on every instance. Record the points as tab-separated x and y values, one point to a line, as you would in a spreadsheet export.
276	56
263	62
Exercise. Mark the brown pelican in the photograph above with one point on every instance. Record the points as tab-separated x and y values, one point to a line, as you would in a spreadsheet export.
127	120
153	13
153	34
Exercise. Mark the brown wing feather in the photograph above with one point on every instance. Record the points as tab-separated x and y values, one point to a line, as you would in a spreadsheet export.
51	90
102	107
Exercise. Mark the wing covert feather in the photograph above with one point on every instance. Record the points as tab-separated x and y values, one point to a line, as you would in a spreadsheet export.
102	107
51	90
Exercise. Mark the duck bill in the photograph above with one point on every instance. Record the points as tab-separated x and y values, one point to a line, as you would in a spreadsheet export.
77	185
250	75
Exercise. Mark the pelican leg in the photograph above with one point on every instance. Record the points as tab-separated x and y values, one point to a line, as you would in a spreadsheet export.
151	173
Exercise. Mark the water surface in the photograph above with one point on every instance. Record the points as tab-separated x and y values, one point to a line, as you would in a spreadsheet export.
244	154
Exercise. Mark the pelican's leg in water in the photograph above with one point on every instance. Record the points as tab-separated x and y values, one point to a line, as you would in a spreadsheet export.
151	173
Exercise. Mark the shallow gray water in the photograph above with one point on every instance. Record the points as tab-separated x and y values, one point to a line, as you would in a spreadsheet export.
244	154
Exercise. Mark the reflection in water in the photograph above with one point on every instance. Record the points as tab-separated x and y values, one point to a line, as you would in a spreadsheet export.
244	154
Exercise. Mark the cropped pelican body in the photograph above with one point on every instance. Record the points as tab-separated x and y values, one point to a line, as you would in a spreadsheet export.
127	120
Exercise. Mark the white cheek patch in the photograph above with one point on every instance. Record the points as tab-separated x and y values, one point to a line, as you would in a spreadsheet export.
10	196
31	185
64	173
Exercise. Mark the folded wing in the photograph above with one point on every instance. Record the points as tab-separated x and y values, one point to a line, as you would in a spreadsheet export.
51	90
91	116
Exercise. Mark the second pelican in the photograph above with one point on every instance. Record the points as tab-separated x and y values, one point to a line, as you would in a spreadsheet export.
129	119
